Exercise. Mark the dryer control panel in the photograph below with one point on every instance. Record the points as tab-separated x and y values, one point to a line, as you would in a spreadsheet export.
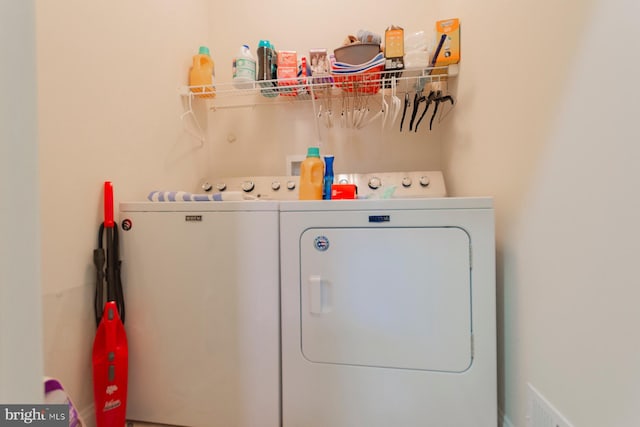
396	185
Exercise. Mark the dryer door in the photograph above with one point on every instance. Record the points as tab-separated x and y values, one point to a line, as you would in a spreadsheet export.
387	297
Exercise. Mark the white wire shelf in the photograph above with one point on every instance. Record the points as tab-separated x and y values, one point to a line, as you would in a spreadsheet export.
308	88
353	92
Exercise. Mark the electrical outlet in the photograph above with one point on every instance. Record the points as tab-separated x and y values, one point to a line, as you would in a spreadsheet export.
541	413
293	164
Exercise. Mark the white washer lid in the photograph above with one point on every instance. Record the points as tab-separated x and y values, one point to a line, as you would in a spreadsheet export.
369	204
247	205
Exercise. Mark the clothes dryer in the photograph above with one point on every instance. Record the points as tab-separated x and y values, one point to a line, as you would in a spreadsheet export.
388	313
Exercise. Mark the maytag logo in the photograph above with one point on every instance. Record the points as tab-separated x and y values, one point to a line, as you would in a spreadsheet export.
379	218
36	415
193	218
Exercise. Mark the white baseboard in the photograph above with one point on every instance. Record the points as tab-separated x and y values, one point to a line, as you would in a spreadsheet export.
88	416
503	420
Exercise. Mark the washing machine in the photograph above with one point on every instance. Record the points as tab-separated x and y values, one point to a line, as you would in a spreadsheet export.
388	308
201	282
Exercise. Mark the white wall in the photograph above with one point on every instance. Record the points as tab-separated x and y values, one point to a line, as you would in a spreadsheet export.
553	135
20	290
264	137
108	78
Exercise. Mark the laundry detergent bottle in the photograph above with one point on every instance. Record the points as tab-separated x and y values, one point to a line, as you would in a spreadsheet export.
311	175
267	68
201	74
244	69
328	177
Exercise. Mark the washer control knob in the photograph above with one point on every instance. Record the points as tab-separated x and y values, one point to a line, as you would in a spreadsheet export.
275	185
406	182
206	186
424	181
343	181
221	186
291	185
374	183
247	186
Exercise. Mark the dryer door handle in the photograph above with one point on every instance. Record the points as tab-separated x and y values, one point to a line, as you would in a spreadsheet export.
317	295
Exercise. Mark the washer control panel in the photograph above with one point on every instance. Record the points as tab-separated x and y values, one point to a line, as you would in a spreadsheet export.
255	187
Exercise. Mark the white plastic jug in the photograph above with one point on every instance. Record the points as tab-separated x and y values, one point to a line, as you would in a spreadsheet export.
244	69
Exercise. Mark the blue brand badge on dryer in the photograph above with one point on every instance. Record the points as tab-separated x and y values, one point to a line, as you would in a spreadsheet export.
321	243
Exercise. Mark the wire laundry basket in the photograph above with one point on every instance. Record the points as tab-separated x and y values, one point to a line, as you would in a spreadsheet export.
367	82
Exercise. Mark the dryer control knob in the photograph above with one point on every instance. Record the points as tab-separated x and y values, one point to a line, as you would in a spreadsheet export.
291	185
406	182
248	186
374	183
275	185
221	186
424	181
206	186
343	181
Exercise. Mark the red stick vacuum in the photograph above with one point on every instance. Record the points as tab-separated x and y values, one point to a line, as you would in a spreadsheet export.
110	350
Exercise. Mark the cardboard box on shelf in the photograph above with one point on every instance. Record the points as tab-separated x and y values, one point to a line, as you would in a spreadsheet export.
450	52
287	70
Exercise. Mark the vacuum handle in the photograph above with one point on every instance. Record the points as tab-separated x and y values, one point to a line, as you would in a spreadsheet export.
108	204
111	250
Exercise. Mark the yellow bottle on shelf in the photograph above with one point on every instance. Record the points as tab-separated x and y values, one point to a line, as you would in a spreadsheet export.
311	175
201	74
